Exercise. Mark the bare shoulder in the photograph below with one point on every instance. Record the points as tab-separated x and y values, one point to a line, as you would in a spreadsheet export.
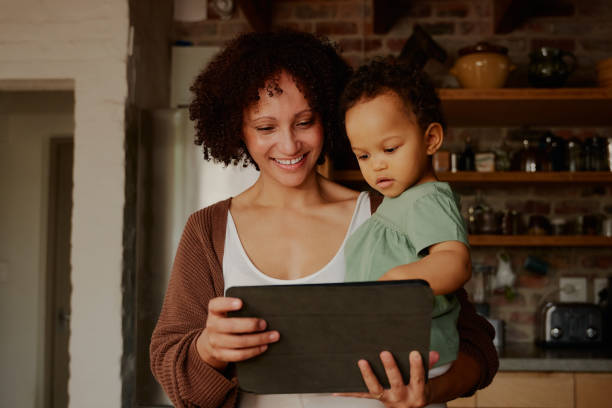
337	193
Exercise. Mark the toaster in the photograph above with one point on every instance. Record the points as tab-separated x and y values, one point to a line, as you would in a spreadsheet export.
569	324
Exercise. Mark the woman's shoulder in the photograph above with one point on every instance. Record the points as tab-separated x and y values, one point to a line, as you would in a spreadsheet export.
209	216
207	226
338	192
343	193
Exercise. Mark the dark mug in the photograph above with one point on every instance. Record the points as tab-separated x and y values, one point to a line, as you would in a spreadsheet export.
549	67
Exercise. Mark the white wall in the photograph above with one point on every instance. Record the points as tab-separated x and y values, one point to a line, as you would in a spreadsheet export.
87	41
28	121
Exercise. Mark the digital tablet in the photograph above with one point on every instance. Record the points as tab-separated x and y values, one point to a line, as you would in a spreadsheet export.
326	328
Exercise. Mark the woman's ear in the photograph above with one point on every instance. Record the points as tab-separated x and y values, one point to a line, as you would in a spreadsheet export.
434	136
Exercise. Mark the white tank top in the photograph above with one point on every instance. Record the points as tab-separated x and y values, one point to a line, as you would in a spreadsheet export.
238	270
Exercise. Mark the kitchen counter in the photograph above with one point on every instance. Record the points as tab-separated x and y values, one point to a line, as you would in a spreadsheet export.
530	357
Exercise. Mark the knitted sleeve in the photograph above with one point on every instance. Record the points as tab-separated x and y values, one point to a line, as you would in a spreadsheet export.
175	362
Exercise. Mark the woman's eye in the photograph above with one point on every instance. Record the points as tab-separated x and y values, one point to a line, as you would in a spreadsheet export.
305	123
264	128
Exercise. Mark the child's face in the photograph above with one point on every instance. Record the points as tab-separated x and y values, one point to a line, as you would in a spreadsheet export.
391	149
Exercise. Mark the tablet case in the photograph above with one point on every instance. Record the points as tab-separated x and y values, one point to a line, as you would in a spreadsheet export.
326	328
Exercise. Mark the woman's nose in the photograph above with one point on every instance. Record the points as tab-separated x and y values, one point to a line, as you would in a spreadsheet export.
288	143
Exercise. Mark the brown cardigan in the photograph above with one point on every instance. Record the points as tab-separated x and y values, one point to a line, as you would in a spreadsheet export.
197	277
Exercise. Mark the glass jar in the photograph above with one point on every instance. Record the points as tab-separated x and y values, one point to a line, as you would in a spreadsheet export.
609	151
503	156
529	157
559	226
574	155
538	225
549	67
545	154
467	158
595	154
552	153
512	223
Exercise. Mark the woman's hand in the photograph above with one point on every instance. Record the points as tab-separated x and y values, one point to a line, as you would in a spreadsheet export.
231	339
416	393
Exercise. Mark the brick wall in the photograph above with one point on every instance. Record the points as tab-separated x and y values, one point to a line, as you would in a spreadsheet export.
455	24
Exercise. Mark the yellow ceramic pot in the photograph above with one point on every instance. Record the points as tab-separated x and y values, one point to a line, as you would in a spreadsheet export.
482	66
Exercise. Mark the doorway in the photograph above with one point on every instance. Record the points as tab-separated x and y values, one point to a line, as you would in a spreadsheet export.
35	143
58	272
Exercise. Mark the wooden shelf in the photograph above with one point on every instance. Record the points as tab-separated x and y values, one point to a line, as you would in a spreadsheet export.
527	106
540	241
502	177
520	177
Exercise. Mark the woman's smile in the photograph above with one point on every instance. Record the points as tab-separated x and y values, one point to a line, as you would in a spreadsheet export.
291	164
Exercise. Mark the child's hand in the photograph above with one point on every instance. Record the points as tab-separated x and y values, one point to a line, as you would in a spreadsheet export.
416	393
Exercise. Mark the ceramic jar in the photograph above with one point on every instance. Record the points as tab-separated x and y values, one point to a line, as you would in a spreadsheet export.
549	67
482	66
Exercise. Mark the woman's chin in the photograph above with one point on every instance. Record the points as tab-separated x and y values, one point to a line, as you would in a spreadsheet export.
293	179
292	176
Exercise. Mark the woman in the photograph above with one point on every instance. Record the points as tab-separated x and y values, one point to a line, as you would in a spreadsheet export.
270	100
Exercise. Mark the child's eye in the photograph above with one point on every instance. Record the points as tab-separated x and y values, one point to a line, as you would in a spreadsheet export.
361	156
264	128
390	149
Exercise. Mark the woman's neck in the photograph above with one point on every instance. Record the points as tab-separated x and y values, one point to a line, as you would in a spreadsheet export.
267	192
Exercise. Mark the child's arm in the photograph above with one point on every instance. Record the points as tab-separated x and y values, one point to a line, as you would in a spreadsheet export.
447	268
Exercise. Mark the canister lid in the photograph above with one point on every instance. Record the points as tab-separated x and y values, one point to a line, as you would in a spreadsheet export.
483	47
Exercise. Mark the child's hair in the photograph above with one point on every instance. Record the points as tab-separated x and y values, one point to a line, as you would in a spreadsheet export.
384	74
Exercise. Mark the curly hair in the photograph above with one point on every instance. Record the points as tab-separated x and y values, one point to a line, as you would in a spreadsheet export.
252	61
384	74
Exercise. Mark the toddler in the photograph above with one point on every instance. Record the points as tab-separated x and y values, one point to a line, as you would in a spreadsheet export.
394	123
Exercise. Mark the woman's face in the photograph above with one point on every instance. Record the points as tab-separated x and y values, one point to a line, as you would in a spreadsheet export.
282	133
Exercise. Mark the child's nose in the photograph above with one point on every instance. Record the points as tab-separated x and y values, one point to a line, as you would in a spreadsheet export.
380	164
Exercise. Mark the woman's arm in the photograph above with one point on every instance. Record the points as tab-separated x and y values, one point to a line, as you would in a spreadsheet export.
461	377
477	360
175	362
476	341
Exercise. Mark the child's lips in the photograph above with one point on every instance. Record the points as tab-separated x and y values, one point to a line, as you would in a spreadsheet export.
384	182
